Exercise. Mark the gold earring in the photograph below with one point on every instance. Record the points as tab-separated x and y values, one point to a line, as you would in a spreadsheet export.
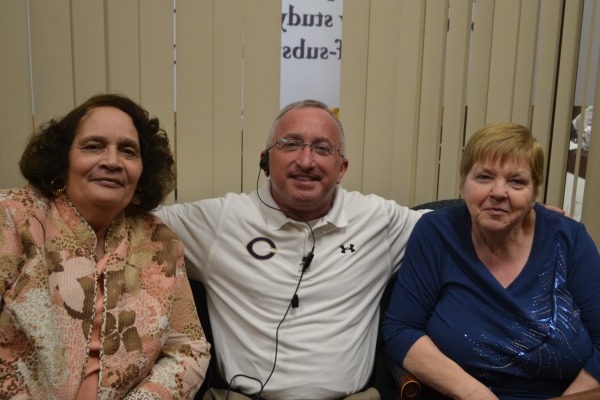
57	186
137	197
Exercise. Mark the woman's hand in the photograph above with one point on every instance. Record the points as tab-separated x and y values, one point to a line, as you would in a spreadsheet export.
556	209
478	392
432	367
583	381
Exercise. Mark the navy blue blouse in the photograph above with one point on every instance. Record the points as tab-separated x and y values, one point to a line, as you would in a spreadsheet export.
529	340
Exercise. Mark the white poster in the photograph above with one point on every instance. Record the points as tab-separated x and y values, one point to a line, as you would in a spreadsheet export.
311	51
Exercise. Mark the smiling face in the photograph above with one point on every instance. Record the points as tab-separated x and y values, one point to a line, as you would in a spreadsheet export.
499	194
105	164
303	182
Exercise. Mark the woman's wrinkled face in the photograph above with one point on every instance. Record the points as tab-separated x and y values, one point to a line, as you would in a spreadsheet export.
498	194
105	163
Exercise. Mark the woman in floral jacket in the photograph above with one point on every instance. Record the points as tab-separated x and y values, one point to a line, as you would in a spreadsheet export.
94	298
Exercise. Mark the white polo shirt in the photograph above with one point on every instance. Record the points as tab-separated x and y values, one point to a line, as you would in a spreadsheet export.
249	258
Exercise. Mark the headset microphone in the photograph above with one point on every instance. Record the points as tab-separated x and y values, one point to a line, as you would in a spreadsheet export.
295	302
307	260
305	264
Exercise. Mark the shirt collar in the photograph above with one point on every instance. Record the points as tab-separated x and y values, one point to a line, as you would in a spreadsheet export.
84	232
276	219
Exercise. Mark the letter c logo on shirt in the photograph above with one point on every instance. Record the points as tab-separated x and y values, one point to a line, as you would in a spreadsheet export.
261	248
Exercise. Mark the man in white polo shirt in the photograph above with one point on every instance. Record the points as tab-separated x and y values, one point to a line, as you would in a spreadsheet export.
294	271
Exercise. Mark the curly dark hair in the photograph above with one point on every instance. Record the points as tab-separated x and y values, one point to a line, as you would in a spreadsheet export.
46	155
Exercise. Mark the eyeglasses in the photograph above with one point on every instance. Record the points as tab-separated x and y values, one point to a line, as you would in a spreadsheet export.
321	148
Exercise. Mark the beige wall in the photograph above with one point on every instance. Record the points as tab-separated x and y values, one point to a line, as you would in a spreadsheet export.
406	81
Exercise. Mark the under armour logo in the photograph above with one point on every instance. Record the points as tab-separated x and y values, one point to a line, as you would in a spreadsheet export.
351	248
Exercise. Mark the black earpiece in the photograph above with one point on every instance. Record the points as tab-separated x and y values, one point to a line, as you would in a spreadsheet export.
264	163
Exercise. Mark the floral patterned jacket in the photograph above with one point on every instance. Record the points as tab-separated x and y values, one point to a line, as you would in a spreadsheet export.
152	344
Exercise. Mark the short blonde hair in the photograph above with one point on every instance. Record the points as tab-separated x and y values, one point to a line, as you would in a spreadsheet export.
502	141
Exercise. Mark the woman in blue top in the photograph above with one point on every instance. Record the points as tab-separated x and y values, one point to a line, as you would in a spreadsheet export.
499	298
